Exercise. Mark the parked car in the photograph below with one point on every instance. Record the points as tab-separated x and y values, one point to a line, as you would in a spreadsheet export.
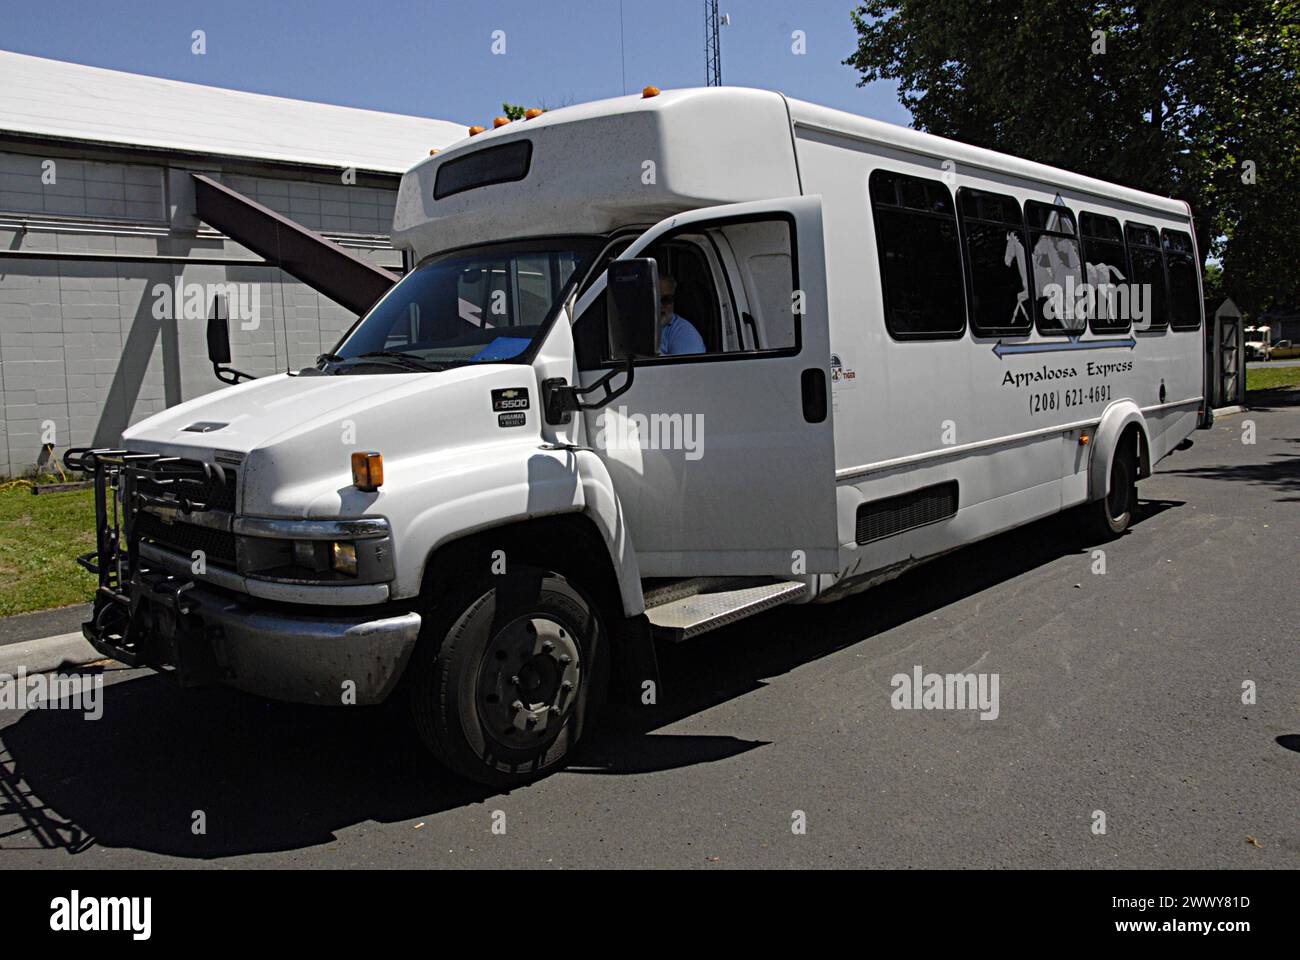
1257	344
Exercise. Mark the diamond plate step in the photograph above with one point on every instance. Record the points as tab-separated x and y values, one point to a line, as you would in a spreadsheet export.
725	603
663	591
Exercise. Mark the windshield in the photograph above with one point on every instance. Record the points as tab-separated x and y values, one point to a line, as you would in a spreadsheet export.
471	306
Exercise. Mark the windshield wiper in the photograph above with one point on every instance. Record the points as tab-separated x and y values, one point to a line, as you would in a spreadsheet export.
401	359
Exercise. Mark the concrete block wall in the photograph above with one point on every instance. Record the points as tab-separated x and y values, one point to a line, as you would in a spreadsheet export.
82	350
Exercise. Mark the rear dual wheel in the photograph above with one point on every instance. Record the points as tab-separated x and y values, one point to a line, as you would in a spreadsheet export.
509	674
1112	514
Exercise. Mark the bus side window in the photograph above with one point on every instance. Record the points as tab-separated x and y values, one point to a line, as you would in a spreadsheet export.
1146	263
920	258
1106	264
997	265
1184	292
1056	260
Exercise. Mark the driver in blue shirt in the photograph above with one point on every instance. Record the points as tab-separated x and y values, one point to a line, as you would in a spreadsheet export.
676	334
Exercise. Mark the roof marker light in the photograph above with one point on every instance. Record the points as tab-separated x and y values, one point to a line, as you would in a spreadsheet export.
650	91
533	112
500	121
475	130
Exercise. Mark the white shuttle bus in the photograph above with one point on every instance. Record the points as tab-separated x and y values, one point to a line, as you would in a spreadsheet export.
660	363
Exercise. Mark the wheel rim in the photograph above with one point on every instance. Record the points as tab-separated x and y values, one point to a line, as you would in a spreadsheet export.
1120	490
528	680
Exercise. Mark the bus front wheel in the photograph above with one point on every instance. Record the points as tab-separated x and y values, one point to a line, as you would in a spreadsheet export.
509	673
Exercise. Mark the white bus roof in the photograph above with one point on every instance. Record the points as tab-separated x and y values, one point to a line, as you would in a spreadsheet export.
627	160
814	118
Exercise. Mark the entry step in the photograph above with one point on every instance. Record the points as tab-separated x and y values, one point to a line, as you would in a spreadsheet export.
689	608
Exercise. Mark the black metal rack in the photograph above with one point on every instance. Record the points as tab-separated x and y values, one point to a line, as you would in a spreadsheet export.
127	483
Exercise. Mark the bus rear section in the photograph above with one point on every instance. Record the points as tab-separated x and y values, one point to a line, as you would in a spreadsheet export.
1008	340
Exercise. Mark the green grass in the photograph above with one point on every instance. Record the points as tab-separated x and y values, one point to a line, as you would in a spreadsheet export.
40	538
1271	378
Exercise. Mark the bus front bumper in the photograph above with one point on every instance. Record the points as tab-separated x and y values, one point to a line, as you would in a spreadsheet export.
274	651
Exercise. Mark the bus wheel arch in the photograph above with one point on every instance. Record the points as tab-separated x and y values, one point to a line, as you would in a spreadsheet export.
567	543
1119	458
1122	427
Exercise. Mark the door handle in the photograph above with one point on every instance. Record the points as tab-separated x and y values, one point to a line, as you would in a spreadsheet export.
812	385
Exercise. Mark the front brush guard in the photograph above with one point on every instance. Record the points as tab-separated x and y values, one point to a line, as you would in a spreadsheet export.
142	617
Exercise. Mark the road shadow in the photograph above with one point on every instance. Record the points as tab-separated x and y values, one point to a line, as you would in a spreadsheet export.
266	777
262	776
1282	473
736	660
1262	401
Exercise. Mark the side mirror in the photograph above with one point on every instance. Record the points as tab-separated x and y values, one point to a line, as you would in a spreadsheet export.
632	308
632	313
219	347
218	338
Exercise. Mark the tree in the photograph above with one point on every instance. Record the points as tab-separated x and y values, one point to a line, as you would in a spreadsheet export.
1212	283
1196	101
513	111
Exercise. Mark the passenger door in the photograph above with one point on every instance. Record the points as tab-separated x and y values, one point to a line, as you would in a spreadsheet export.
724	460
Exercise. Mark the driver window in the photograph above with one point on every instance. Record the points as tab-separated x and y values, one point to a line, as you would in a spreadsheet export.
690	319
725	289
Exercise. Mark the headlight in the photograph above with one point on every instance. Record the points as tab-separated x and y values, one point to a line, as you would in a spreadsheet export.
343	557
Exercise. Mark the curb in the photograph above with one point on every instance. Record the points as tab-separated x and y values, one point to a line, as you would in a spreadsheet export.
39	624
47	653
1227	411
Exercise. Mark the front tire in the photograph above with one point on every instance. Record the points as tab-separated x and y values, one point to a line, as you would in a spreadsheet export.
509	673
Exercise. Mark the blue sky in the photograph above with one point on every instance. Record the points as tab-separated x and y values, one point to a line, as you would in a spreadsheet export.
433	58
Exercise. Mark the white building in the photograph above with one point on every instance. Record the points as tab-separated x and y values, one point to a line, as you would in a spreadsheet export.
97	217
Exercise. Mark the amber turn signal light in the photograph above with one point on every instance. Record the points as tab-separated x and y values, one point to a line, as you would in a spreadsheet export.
367	471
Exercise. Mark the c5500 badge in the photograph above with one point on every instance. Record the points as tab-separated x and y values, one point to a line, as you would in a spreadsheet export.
511	398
